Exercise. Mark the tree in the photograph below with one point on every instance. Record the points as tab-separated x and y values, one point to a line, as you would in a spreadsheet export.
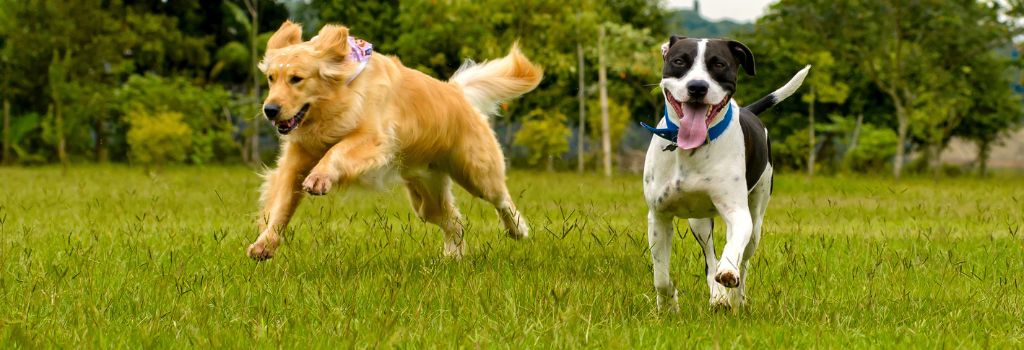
911	54
249	22
822	87
58	92
631	52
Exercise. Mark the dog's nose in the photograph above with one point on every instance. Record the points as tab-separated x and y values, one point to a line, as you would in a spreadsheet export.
271	111
697	88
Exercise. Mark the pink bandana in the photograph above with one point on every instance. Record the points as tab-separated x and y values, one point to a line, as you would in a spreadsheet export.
360	52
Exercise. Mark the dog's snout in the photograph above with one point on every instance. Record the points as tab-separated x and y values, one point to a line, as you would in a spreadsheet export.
697	88
271	110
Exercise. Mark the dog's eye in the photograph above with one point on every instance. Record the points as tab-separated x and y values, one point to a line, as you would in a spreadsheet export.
295	79
270	78
679	62
718	65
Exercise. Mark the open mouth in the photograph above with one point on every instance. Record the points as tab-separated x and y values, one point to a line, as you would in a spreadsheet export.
286	126
694	119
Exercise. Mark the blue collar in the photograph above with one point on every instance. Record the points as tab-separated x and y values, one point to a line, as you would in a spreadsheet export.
671	130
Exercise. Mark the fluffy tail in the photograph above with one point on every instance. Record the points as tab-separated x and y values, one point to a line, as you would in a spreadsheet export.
781	94
491	82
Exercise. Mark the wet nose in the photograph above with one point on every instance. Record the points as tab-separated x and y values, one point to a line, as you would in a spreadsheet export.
271	110
697	88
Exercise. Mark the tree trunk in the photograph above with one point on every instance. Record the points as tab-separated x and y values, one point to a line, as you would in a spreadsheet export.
810	134
856	133
550	164
7	132
602	76
901	132
984	150
253	6
58	120
934	163
582	96
101	142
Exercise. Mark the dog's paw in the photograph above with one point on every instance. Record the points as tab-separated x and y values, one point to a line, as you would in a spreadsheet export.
260	251
454	251
728	277
318	183
668	303
723	298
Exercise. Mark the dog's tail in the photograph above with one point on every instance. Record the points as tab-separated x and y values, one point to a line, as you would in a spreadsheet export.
488	83
781	94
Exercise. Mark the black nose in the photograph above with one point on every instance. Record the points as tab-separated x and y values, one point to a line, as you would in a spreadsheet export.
271	111
697	88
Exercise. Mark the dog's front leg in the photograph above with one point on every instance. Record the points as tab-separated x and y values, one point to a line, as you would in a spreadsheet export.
659	238
738	228
346	161
280	195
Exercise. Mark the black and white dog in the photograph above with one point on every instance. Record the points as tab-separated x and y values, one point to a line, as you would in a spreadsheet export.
708	156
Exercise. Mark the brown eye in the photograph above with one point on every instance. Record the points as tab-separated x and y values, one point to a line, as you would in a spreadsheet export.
295	79
270	78
679	62
718	65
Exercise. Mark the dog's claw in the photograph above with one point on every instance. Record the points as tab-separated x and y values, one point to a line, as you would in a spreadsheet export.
317	183
259	252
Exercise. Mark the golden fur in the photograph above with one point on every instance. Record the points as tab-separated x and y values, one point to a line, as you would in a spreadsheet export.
389	118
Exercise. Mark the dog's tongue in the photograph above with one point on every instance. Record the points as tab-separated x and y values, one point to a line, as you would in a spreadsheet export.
285	123
693	127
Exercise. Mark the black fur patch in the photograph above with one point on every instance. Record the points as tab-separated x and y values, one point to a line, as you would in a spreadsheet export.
755	142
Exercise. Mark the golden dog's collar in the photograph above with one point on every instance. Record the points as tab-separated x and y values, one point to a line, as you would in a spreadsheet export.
361	50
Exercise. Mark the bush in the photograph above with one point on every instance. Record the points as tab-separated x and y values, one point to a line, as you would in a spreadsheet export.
875	147
545	135
157	139
204	105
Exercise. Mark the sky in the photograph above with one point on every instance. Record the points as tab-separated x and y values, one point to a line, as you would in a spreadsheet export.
737	10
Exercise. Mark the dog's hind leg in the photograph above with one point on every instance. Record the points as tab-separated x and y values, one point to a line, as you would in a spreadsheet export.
759	198
432	199
281	193
481	171
659	240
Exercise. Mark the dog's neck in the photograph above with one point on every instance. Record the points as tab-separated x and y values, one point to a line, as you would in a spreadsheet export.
674	118
361	51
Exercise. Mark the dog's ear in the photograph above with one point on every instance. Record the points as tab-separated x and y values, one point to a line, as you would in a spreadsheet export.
332	42
671	40
288	34
743	56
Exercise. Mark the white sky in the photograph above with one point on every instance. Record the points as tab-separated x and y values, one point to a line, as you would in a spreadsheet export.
737	10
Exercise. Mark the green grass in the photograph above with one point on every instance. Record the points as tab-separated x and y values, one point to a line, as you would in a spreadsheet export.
109	257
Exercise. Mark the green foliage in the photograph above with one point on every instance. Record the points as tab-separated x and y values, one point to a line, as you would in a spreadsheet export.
22	127
929	69
826	88
618	120
157	139
874	148
545	134
206	108
921	68
791	152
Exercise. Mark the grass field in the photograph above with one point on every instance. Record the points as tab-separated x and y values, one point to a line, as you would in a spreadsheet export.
110	257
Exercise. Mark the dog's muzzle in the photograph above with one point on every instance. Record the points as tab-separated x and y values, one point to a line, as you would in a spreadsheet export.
287	125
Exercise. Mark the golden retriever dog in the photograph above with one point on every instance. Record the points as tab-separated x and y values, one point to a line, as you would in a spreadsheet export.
343	120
